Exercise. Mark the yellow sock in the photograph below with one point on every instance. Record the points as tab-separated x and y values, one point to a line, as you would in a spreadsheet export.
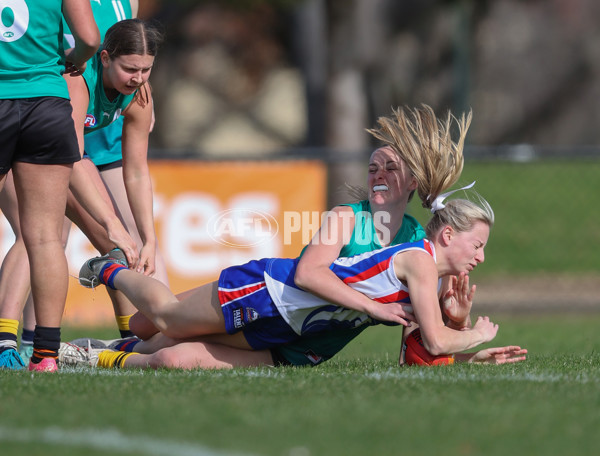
9	326
123	322
113	359
8	333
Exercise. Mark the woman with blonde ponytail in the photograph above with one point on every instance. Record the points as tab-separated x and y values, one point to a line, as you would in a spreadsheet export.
424	142
253	309
418	153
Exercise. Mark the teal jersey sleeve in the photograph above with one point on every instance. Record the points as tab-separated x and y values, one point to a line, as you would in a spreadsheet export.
103	145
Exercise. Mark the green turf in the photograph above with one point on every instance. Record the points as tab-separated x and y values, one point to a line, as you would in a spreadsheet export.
546	215
359	403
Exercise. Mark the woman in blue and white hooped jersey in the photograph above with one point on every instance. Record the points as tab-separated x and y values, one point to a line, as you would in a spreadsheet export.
253	308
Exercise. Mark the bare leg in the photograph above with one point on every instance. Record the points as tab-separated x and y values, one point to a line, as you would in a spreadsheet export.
160	341
29	315
142	327
198	314
42	194
14	274
192	355
96	233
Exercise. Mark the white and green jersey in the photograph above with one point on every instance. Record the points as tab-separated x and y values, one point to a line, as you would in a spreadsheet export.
31	49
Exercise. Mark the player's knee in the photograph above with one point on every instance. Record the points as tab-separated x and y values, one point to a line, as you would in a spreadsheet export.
142	326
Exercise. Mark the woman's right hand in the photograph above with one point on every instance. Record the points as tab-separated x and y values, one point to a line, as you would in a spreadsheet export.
394	312
486	328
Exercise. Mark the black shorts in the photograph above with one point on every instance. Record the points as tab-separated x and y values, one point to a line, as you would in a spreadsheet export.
108	166
278	359
37	130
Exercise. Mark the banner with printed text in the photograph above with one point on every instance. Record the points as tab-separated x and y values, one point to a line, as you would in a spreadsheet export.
210	216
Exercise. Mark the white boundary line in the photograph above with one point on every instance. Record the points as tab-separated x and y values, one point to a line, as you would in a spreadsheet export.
431	374
109	440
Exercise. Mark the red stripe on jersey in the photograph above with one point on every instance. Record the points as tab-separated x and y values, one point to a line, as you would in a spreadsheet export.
228	295
397	296
371	272
427	246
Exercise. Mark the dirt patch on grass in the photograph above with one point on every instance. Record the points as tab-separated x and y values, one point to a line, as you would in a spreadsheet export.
539	294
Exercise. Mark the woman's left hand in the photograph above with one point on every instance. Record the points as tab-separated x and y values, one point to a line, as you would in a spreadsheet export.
147	263
499	355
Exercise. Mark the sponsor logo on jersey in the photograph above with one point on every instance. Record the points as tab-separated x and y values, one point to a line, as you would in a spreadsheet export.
238	321
90	121
251	315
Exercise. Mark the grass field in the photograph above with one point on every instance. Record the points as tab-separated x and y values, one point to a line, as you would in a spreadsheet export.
546	218
359	403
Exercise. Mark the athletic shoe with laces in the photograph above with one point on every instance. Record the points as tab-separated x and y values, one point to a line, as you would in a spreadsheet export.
45	365
110	344
86	342
10	359
89	272
26	351
113	344
73	355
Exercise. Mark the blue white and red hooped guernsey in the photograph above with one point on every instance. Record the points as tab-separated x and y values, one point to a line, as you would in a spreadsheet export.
371	273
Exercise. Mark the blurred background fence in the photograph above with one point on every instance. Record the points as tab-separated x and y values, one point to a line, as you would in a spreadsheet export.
263	105
283	79
543	250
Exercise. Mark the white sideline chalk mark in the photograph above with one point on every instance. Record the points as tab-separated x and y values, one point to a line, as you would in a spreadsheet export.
109	440
580	378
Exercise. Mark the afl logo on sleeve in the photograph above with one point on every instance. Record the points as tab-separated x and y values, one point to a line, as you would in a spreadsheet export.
90	121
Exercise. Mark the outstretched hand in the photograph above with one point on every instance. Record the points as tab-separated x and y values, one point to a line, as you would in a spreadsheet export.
499	355
458	300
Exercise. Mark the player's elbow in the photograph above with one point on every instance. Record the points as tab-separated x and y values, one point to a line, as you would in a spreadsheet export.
434	345
88	43
302	277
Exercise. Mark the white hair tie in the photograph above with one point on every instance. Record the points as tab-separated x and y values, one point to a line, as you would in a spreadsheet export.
438	203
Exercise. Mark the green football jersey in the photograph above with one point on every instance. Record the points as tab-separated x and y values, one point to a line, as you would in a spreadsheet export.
106	13
101	111
104	146
31	50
